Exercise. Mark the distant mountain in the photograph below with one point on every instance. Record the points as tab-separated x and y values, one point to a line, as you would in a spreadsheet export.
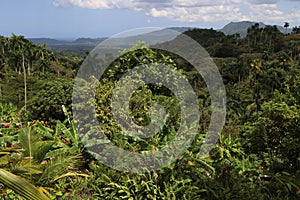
94	41
48	41
53	42
83	45
88	40
241	28
80	45
152	37
181	29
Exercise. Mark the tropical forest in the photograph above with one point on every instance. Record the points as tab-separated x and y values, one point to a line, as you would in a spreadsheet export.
256	156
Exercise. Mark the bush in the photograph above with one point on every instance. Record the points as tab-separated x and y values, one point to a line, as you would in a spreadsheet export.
47	104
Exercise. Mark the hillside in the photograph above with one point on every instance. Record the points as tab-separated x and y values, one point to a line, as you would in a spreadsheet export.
78	46
241	28
48	41
83	45
48	118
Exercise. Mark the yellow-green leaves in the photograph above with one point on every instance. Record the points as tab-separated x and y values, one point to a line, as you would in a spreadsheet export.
21	186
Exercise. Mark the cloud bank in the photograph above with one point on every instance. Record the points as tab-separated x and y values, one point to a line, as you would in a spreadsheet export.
195	10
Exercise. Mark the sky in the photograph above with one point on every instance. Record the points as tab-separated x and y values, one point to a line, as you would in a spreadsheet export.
68	19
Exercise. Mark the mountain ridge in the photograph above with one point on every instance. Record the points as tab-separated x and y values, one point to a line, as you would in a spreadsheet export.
229	29
242	26
85	44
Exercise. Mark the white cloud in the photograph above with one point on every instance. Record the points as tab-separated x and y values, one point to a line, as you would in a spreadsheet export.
262	1
158	13
83	3
194	10
98	4
209	13
272	14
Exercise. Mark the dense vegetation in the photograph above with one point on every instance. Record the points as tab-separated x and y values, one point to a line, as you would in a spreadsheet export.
256	157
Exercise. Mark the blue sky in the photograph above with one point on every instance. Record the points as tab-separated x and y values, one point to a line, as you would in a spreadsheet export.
102	18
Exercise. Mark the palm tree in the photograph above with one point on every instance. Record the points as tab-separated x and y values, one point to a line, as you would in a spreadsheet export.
18	47
284	60
3	44
296	30
15	48
268	36
256	66
42	55
237	38
255	28
55	64
3	65
295	48
286	25
30	55
242	70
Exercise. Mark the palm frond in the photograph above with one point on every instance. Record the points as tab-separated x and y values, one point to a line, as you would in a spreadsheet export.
27	167
33	145
70	174
20	186
59	166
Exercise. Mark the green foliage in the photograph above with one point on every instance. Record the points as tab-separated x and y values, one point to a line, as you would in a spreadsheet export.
140	102
256	157
151	185
40	154
275	133
206	37
47	104
21	186
260	39
224	50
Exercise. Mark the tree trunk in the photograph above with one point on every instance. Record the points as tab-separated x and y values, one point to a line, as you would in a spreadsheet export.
28	68
25	81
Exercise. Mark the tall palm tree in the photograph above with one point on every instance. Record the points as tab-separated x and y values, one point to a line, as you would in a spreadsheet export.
256	66
295	48
30	55
18	50
3	44
296	30
286	25
255	30
55	64
3	55
42	55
